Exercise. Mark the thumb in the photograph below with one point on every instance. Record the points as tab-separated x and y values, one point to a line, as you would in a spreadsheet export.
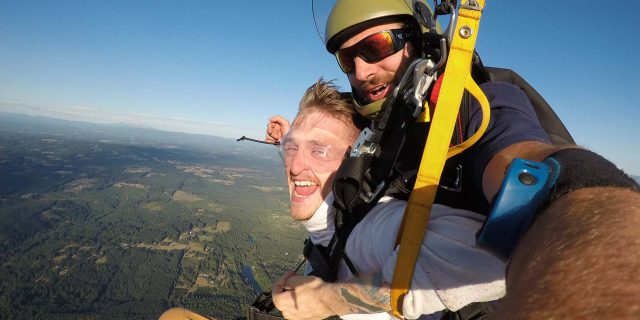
280	284
296	281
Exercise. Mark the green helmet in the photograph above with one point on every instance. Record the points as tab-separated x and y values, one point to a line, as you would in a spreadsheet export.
348	17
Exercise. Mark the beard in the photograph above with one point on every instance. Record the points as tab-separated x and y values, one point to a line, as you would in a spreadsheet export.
374	81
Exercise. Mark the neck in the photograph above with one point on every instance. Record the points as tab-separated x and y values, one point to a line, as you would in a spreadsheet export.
320	225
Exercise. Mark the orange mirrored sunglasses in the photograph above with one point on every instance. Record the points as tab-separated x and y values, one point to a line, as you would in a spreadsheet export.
373	48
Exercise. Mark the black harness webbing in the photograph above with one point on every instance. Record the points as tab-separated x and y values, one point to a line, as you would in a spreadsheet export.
361	181
473	311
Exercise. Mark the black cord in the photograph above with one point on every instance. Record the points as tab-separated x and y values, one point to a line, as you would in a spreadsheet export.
300	265
258	141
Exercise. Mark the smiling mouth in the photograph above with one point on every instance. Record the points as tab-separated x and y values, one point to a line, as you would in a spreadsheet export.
375	93
379	89
304	183
304	188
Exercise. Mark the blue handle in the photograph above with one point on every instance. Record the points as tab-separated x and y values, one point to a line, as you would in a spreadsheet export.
524	189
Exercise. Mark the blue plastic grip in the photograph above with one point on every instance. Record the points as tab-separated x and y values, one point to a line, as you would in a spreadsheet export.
524	189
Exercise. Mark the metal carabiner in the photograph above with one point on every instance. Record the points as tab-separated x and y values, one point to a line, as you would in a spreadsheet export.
423	77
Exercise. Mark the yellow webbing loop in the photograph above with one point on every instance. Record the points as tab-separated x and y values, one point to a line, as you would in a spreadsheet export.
436	151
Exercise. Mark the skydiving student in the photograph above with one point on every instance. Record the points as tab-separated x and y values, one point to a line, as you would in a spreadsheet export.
451	271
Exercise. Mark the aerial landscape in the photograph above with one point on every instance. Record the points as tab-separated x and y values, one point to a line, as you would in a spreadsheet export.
126	188
116	222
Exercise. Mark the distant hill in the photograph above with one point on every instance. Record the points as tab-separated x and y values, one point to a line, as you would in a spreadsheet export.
132	135
636	178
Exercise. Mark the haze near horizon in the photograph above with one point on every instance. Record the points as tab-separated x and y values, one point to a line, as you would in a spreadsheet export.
223	68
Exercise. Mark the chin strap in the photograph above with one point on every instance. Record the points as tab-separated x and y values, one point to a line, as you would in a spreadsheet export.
436	151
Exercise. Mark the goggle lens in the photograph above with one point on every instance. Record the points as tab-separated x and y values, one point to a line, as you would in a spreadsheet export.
371	49
318	157
377	48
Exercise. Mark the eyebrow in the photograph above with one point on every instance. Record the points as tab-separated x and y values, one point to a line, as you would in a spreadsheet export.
318	143
314	142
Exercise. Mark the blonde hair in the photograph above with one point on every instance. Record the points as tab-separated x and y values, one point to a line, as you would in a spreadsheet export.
324	97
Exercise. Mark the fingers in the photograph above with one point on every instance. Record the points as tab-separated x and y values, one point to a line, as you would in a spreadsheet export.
300	300
284	126
277	127
296	281
279	285
278	119
270	133
283	298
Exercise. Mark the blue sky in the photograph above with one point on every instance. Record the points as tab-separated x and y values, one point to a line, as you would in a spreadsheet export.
224	67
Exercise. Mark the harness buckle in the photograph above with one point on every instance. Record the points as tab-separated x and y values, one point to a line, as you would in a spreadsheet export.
363	145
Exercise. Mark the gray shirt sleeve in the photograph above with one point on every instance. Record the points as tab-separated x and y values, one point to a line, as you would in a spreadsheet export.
451	271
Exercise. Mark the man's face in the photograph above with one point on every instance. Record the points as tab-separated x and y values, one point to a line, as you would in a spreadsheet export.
312	152
374	81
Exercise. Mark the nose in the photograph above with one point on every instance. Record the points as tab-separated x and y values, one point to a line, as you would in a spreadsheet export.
297	164
362	69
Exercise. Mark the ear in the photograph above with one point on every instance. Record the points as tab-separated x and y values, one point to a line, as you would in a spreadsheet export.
409	49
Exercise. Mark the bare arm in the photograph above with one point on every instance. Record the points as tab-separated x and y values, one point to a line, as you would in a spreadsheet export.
579	260
497	167
305	297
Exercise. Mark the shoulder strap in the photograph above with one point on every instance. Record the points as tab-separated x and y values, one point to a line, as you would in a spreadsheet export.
456	79
325	260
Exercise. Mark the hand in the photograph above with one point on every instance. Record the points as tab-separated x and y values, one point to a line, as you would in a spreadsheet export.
276	129
300	297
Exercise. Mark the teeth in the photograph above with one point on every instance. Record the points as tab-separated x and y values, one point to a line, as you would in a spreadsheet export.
300	183
379	89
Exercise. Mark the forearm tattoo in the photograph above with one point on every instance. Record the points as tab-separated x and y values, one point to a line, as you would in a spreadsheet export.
368	294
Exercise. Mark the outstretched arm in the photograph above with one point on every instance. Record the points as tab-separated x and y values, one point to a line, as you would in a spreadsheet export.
579	260
308	297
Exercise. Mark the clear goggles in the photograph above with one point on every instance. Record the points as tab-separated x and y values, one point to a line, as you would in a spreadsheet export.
317	149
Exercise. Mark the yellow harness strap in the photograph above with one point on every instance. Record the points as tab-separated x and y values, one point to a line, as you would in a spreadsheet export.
436	151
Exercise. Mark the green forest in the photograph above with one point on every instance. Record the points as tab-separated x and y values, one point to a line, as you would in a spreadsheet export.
120	223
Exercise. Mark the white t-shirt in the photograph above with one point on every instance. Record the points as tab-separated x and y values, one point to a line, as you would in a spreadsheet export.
451	272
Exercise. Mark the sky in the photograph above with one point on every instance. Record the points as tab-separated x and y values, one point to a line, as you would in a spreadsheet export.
224	67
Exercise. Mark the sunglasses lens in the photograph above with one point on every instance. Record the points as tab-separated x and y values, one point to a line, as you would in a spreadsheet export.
371	49
376	47
345	59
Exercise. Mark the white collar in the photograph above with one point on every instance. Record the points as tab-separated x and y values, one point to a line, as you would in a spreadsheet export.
320	225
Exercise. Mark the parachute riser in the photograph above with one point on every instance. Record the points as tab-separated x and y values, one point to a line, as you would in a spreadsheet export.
437	148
